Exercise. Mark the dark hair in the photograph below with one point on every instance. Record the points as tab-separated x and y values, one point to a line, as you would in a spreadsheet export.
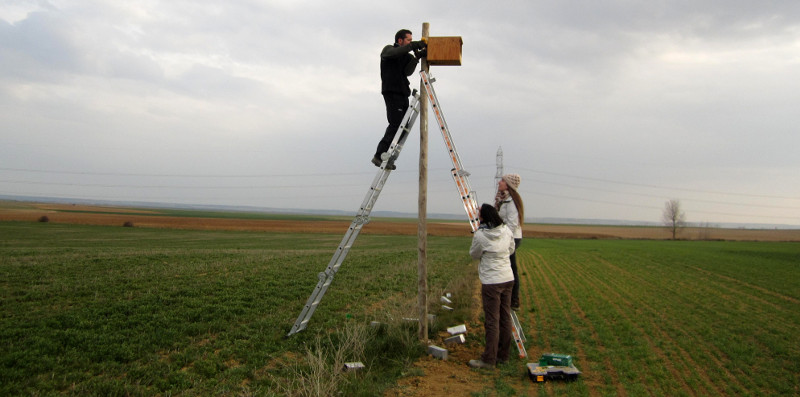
490	217
401	34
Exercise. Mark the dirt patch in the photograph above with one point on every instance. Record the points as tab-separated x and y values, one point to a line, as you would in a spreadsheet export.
431	377
452	377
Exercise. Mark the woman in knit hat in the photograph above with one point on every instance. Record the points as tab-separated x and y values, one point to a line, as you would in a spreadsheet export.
509	206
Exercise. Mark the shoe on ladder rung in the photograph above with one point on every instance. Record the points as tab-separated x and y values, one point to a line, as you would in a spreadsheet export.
378	162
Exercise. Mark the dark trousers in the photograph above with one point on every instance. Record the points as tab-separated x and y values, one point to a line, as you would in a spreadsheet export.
396	106
513	258
497	312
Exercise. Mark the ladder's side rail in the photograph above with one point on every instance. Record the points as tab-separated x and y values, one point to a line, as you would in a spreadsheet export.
515	319
326	278
360	220
468	199
437	110
460	176
404	130
518	335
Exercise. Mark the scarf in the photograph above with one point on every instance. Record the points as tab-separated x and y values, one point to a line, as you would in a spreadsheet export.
500	197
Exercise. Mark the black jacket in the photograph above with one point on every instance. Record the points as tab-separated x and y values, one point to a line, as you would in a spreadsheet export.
396	65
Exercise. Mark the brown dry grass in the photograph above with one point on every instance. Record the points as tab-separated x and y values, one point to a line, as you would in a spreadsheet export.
117	216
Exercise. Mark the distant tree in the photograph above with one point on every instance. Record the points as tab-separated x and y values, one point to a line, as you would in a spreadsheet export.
674	217
44	218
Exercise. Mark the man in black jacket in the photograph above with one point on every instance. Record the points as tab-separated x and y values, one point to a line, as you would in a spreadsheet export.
396	65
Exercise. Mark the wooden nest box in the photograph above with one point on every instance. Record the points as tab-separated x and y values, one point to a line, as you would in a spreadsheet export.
444	50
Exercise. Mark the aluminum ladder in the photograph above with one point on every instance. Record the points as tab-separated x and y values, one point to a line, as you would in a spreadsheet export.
460	176
519	336
468	196
361	218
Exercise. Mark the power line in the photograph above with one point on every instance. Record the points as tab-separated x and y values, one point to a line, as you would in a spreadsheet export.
661	197
658	187
627	205
355	193
122	174
39	171
176	187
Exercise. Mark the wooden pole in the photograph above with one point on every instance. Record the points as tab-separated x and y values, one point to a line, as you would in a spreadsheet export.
422	226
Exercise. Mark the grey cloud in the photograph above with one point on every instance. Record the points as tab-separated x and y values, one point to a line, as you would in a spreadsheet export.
38	47
213	83
649	92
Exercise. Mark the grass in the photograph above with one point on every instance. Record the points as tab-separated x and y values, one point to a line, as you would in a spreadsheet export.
666	318
132	311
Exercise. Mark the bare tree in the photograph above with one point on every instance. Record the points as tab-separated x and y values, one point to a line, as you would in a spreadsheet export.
674	217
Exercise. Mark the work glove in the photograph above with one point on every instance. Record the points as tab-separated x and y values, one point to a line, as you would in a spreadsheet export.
418	45
421	53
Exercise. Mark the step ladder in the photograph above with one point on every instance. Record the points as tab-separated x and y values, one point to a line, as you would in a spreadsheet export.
460	176
361	218
519	336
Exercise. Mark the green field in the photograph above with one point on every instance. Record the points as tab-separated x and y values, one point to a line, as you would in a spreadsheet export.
111	310
667	318
134	311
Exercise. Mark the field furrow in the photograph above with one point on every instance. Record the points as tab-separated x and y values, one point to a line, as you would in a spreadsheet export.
603	374
665	319
649	330
541	312
729	323
653	303
633	339
98	310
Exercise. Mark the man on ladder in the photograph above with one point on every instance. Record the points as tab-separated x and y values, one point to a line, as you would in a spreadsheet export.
396	65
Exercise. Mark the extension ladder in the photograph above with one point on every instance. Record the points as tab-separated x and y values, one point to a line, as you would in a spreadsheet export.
519	336
460	176
361	218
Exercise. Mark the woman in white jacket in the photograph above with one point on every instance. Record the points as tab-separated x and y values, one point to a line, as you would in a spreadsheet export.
509	205
493	243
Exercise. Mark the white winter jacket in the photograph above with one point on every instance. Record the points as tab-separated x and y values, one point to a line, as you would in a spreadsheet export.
509	214
493	247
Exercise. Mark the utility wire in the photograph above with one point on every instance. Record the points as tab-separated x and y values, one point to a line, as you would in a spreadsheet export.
658	187
661	197
356	193
659	208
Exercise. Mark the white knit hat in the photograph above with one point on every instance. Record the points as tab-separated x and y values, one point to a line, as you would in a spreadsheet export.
512	180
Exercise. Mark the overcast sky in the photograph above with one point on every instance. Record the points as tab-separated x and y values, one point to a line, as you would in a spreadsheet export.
607	109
